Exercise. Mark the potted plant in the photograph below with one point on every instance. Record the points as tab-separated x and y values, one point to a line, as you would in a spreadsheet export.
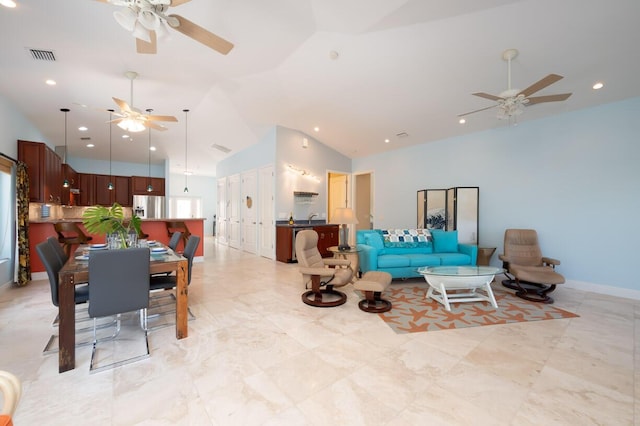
110	220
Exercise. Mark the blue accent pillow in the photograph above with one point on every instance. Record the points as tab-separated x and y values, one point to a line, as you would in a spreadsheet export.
374	240
444	241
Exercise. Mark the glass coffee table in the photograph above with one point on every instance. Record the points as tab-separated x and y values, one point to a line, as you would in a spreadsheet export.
445	283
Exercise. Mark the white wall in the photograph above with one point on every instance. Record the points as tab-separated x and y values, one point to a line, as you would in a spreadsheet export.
101	167
14	126
572	177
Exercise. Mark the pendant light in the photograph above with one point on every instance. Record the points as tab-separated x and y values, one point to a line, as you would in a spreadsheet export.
65	183
186	170
149	187
110	184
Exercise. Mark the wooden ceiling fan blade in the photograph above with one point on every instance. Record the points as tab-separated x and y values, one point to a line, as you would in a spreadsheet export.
161	118
147	48
541	84
154	125
122	104
117	120
205	37
488	96
548	98
478	110
175	3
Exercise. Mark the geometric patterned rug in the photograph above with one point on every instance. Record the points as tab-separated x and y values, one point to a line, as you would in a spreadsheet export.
412	312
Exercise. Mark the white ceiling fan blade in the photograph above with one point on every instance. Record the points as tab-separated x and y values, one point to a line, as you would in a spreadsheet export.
155	126
478	110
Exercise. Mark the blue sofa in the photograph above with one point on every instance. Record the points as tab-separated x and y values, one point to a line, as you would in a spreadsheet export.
401	256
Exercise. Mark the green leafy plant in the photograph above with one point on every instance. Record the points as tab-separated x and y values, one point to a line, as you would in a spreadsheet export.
110	220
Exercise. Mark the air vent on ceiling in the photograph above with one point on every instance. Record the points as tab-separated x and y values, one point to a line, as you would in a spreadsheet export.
85	138
42	55
221	148
402	134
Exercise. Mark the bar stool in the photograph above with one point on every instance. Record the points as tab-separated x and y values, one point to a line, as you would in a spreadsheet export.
178	226
69	234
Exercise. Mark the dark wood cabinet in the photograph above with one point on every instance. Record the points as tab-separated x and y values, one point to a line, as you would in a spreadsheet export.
327	237
121	192
139	185
71	176
44	168
87	196
284	244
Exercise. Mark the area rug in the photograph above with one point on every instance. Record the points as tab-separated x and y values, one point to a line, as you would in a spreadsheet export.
412	313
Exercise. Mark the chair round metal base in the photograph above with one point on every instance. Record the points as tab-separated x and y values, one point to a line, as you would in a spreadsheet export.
318	299
377	306
532	292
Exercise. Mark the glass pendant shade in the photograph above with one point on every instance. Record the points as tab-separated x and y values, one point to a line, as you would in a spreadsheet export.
126	18
130	125
110	186
65	183
149	188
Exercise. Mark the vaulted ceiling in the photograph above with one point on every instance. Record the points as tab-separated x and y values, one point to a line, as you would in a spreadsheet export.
362	71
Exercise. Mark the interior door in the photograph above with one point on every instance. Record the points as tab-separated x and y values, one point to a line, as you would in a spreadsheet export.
249	188
233	210
266	213
221	216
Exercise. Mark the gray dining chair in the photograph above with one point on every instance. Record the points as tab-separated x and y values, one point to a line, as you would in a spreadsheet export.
118	283
174	240
57	248
160	283
53	264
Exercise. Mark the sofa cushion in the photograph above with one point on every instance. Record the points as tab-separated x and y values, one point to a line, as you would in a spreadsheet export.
444	241
454	259
374	240
423	260
393	261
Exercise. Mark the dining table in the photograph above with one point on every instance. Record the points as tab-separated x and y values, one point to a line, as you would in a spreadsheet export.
76	271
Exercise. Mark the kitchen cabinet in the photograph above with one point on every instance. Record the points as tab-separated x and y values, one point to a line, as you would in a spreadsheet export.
72	177
44	168
87	188
121	192
139	185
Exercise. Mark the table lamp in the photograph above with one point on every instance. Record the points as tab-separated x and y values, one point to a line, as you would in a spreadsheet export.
344	216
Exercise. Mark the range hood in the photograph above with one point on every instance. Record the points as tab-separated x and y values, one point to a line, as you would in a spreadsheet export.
304	194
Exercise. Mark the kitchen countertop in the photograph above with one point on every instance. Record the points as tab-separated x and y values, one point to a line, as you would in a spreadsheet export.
303	224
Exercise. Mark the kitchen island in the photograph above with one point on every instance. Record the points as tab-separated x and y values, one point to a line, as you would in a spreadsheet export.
41	229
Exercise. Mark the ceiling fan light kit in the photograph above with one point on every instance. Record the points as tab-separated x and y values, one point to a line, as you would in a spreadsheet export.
511	102
146	19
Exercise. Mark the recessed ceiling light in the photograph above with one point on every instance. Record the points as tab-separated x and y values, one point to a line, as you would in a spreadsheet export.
50	82
387	141
90	145
125	136
316	129
8	3
83	128
462	121
598	85
152	148
188	173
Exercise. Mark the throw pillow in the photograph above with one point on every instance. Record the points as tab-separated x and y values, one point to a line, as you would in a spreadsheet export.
444	241
374	240
407	238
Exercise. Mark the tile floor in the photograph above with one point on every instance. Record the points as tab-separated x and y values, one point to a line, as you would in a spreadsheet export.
256	355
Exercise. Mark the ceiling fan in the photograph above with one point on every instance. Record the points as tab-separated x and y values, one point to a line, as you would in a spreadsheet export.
511	102
148	20
132	119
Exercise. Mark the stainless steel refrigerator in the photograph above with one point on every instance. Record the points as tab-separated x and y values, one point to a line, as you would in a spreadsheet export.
149	206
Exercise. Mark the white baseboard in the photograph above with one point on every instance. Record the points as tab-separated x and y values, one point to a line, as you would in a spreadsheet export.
609	290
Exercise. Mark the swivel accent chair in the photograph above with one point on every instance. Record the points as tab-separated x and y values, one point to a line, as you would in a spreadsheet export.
534	276
321	274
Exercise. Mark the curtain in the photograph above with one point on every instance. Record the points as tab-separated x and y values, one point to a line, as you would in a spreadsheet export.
22	216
